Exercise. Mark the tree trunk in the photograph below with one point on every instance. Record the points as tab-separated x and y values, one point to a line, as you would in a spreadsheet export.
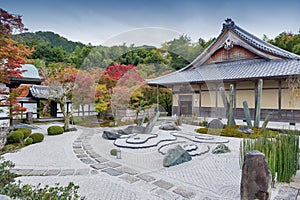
66	116
82	107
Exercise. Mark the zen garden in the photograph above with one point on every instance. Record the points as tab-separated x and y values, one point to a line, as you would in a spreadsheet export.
218	119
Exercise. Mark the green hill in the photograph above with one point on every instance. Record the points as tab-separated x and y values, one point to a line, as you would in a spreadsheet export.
53	39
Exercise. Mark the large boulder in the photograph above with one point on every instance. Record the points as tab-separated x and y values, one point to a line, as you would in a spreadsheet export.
134	130
245	129
169	126
215	124
256	177
111	134
176	156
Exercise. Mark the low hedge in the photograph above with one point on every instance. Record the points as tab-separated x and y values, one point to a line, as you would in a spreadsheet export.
36	137
232	131
25	131
8	147
55	130
15	137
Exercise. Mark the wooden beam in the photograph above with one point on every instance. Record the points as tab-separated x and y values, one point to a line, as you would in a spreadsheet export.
279	99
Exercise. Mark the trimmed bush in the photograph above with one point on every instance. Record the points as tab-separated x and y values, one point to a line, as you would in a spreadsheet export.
36	137
25	131
55	130
15	137
8	147
113	152
28	141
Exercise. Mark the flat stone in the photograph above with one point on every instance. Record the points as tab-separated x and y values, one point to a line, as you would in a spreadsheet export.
95	155
37	172
52	172
184	193
164	194
76	146
163	184
101	160
129	179
82	172
67	172
145	185
87	161
295	185
24	171
98	166
112	172
146	177
90	152
81	156
94	172
78	151
87	147
113	164
128	170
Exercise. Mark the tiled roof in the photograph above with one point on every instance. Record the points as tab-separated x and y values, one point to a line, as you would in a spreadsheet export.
243	69
286	64
40	92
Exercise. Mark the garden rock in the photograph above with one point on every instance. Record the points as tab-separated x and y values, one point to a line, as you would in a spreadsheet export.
245	129
169	126
176	156
221	148
215	124
256	177
111	135
134	129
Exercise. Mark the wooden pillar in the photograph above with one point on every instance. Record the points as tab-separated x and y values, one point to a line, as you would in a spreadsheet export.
200	96
216	95
38	108
279	99
234	100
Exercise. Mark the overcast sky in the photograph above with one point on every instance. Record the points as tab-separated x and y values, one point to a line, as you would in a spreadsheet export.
151	21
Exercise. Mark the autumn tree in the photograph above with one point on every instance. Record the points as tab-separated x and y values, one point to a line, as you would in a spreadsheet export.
60	90
102	99
83	90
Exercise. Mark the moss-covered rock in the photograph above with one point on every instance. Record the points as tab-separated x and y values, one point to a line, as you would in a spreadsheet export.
37	137
55	130
113	152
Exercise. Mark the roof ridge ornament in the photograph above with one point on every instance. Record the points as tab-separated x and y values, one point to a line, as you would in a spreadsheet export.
229	23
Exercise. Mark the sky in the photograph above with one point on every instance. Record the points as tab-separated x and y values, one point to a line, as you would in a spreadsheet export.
153	22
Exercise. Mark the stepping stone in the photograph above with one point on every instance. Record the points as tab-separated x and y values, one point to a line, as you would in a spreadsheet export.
101	160
146	177
37	172
81	156
98	166
129	179
94	155
128	170
165	195
76	146
90	152
52	172
113	164
67	172
94	172
184	192
23	171
163	184
145	185
78	151
87	161
112	172
82	172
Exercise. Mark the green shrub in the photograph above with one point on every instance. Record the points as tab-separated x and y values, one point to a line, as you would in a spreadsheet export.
8	147
16	190
55	130
28	141
15	137
36	137
76	120
25	131
113	152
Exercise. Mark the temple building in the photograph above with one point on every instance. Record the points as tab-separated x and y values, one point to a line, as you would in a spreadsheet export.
239	58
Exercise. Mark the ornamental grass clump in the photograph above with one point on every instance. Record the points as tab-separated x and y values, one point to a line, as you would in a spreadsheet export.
281	153
55	130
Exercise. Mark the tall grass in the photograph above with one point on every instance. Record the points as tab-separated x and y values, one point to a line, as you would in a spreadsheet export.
281	153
